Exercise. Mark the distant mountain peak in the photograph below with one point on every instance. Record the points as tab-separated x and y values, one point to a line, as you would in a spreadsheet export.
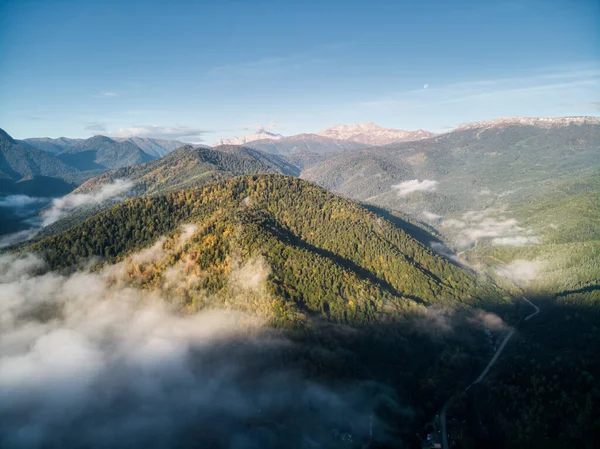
373	134
99	138
260	135
542	122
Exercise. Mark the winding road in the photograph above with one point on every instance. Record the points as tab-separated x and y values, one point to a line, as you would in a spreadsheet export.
482	375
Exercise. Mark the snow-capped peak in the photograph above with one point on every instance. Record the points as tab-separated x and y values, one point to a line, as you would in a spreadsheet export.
542	122
261	134
372	134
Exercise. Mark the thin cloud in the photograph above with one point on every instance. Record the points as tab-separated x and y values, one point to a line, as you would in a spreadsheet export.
66	204
259	127
432	217
542	83
96	127
107	94
515	241
277	65
492	225
19	201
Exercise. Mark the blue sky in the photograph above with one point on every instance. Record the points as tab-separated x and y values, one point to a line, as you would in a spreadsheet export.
202	70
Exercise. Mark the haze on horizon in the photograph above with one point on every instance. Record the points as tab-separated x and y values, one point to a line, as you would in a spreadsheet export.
158	69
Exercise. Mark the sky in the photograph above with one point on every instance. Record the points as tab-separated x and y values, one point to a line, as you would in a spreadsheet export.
199	71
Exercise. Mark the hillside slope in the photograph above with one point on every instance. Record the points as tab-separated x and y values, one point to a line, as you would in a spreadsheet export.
304	143
153	147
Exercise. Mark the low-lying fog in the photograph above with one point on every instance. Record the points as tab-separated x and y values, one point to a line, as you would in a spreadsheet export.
88	362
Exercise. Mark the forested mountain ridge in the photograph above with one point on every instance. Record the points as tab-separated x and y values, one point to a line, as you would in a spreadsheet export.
294	211
305	258
192	166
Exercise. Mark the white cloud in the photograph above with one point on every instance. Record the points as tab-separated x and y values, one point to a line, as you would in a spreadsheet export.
66	204
60	207
520	271
490	224
432	217
414	185
177	132
443	250
17	237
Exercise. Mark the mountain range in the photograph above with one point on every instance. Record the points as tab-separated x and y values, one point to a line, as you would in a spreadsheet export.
343	137
25	169
152	147
383	263
508	157
303	144
52	167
